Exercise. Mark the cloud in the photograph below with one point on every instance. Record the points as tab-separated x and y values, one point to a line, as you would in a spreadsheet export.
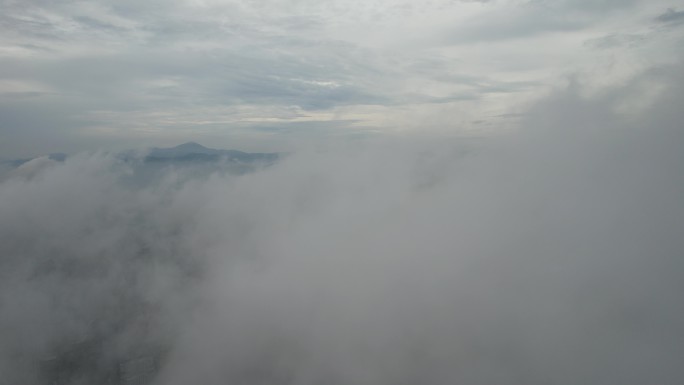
551	254
535	18
504	26
671	16
616	41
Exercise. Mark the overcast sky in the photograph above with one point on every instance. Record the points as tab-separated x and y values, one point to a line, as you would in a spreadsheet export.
265	75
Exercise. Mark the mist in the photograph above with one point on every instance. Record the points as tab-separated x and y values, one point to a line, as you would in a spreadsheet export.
551	254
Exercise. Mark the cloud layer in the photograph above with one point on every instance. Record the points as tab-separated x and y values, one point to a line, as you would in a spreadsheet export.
549	255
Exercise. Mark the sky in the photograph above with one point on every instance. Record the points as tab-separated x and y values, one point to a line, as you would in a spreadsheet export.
271	75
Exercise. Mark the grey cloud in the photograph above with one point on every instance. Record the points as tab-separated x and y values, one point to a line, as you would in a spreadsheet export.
232	77
515	23
445	99
505	87
535	18
588	6
616	41
671	16
506	27
64	24
312	128
92	23
440	70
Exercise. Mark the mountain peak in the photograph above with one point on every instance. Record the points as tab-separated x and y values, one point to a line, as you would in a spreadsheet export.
182	150
191	146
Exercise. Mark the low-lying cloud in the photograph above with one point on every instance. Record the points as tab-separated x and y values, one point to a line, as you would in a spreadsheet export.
549	255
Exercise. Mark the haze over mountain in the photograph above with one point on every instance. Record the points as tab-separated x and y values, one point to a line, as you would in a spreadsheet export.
192	151
152	161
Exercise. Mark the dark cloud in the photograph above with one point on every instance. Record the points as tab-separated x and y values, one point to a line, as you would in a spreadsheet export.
671	16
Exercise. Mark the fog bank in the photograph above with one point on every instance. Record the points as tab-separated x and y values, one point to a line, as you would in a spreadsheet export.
550	255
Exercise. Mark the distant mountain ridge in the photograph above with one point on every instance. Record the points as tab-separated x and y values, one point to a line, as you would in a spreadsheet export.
190	154
195	152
